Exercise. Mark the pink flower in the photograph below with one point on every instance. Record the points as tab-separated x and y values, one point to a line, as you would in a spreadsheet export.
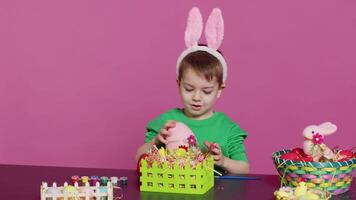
192	141
318	139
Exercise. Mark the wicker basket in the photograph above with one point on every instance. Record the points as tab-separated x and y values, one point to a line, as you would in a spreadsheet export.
335	177
186	180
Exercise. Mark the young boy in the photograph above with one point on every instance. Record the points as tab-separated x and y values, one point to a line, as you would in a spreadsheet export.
201	75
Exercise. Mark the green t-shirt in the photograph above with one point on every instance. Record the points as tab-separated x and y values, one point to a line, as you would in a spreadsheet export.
217	128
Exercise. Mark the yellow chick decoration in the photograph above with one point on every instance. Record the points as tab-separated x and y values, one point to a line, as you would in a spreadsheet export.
301	189
284	193
312	196
181	152
301	192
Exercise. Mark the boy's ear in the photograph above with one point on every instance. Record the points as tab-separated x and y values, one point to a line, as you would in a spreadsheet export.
222	86
178	82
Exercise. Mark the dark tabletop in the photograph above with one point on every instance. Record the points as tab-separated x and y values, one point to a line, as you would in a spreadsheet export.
23	182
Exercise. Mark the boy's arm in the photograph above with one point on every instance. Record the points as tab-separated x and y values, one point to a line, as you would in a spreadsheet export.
155	137
150	138
144	148
236	162
229	165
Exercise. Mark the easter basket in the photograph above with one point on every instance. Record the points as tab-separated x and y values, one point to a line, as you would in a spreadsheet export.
177	179
334	177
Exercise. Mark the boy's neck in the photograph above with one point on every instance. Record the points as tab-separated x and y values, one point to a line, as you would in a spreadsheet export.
201	117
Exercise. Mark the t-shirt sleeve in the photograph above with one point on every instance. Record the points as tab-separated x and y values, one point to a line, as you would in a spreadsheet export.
153	128
236	147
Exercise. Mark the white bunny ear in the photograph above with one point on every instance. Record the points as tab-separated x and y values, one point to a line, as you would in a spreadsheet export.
214	29
327	128
194	27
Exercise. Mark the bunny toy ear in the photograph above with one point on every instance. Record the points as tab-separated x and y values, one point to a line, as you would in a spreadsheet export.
327	128
214	29
194	27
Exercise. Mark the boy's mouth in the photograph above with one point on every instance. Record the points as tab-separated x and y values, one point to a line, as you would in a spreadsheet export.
196	107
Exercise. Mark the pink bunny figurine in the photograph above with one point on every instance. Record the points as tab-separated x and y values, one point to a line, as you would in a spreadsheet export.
314	141
181	136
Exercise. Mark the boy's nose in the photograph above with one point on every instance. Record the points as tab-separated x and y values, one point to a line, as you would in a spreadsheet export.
196	96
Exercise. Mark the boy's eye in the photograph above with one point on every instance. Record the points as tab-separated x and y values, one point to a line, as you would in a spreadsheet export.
207	92
188	89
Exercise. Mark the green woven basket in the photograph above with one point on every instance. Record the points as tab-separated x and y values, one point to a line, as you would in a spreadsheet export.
335	177
186	180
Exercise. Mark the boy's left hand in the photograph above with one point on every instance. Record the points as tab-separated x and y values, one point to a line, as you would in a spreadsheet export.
215	150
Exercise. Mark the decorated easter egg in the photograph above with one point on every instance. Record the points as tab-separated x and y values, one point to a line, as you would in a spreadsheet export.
181	136
290	156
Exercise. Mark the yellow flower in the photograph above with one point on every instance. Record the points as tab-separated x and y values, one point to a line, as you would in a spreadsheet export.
163	152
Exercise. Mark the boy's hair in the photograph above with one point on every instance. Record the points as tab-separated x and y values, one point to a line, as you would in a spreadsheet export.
204	64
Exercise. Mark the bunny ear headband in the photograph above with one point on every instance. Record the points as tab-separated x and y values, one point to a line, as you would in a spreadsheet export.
214	34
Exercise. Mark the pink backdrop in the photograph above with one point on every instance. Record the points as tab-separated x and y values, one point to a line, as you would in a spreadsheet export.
79	80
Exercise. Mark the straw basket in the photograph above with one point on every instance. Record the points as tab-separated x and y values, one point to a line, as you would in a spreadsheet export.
334	177
175	179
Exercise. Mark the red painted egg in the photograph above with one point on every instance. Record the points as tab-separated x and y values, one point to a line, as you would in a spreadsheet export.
290	156
306	158
299	152
143	156
347	153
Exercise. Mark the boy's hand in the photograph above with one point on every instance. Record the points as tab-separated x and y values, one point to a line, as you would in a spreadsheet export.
164	132
215	150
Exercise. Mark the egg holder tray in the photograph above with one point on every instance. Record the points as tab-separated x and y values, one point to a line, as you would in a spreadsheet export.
176	179
97	192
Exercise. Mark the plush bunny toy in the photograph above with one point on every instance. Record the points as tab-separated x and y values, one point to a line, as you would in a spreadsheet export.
314	141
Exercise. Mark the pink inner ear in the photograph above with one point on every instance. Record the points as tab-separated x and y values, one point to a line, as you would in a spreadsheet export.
214	29
194	27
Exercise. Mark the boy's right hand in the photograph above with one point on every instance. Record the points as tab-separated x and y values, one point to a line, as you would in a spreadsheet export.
164	132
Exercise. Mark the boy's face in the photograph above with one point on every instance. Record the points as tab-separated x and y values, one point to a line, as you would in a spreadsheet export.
198	95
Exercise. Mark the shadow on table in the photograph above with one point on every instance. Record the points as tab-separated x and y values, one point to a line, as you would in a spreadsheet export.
222	190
